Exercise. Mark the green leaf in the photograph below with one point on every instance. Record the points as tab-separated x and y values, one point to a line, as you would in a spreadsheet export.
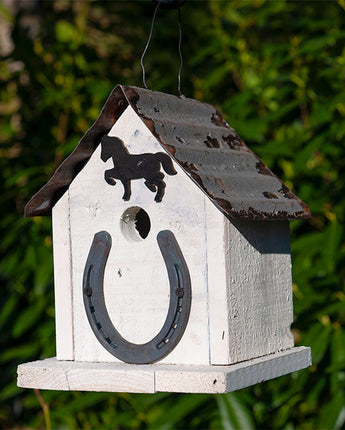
332	416
65	31
318	337
7	310
185	405
27	318
234	414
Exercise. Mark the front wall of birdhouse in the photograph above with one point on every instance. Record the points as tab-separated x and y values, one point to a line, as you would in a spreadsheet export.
136	284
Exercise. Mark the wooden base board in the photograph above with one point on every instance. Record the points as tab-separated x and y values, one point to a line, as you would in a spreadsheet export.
51	374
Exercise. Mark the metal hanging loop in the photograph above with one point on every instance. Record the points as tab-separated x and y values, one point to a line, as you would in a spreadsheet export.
168	5
179	306
147	45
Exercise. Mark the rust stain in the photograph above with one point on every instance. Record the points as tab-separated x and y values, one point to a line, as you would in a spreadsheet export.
262	168
218	120
225	205
233	142
254	214
132	95
270	195
197	179
306	210
189	166
286	192
212	142
171	149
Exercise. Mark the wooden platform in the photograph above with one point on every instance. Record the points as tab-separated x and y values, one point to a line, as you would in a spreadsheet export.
51	374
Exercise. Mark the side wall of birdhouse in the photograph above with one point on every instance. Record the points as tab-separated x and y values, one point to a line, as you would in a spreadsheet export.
252	315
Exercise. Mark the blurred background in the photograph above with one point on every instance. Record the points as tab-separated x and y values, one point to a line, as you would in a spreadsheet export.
276	70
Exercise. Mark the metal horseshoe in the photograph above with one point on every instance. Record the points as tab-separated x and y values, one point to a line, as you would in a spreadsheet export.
179	306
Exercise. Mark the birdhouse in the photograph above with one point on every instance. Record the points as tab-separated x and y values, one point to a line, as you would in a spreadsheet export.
171	255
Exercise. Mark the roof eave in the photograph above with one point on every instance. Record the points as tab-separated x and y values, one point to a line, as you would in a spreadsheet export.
42	202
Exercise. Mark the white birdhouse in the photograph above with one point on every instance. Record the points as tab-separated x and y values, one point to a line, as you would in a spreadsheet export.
171	255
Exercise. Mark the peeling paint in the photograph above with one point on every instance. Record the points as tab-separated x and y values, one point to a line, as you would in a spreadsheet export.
212	142
270	195
218	120
233	142
262	168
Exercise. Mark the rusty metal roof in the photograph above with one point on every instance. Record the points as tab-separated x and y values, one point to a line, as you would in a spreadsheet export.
201	142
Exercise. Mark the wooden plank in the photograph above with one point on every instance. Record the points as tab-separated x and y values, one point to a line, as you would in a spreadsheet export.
62	279
260	308
250	288
52	374
224	379
268	367
217	285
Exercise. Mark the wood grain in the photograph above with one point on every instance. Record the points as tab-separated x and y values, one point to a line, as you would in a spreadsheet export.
63	279
51	374
260	308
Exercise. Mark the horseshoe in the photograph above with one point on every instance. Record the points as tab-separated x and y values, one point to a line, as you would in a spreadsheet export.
179	306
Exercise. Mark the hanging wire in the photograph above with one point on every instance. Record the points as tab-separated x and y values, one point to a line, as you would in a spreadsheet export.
179	49
180	53
147	45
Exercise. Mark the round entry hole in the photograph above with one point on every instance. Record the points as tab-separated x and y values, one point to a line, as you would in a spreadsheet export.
135	224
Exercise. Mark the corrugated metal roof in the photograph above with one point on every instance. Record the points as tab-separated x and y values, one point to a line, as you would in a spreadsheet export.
199	139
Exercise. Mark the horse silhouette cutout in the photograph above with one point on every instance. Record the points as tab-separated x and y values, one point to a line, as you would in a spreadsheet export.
129	166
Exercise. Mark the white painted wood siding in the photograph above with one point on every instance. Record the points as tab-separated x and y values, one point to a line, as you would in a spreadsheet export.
136	281
51	374
63	279
259	286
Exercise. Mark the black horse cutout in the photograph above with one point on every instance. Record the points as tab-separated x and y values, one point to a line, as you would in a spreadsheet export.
128	166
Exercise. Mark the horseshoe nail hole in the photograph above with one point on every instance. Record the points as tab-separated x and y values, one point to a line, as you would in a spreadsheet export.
135	224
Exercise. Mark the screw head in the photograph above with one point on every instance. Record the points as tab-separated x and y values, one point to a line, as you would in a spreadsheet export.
88	291
179	292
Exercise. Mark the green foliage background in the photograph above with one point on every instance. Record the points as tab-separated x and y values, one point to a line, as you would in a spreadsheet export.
276	70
